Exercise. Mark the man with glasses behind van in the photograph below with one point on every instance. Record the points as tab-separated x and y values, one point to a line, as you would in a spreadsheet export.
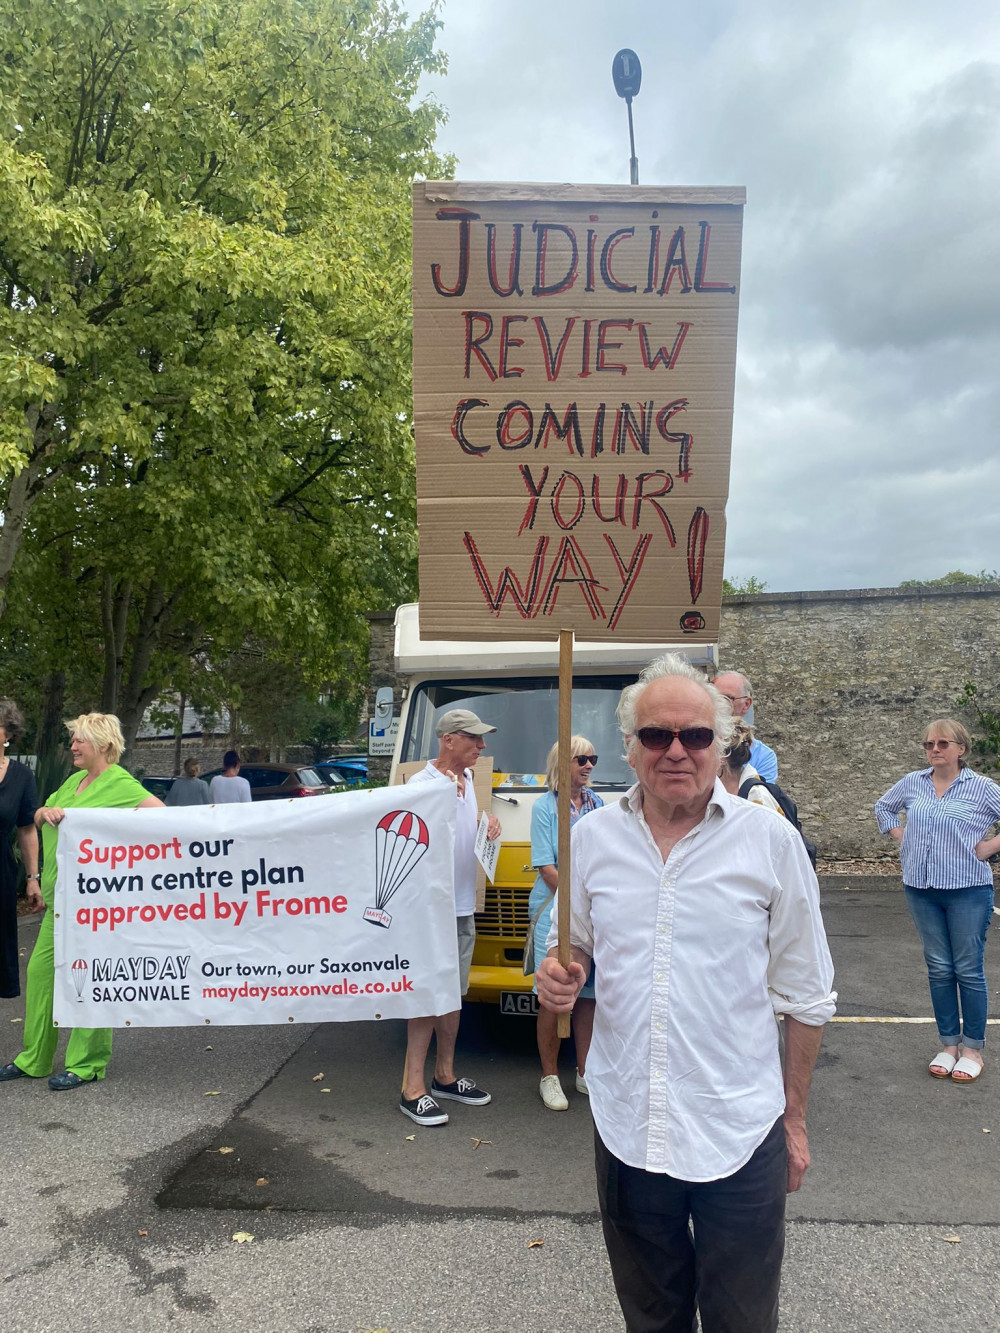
736	687
460	743
701	913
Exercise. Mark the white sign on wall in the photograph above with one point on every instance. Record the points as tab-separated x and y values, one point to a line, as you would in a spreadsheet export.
382	736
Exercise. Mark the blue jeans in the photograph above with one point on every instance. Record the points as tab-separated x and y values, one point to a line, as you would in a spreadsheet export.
952	925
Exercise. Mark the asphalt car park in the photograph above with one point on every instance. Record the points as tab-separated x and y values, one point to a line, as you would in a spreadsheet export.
872	1104
123	1201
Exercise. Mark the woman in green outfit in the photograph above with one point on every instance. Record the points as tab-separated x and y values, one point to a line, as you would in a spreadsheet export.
98	784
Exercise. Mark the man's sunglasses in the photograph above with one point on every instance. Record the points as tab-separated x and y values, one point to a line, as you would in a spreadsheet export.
584	759
661	738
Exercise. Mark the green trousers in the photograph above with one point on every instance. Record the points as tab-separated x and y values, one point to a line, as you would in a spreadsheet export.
89	1049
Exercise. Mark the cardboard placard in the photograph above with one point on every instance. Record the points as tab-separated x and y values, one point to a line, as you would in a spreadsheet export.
482	785
574	354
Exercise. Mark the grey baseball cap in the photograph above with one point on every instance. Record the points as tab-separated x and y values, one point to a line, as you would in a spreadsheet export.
461	719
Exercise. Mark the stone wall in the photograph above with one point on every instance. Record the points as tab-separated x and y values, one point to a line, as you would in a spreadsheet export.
155	758
844	683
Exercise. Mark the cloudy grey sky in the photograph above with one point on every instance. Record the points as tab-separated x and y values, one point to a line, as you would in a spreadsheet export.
867	133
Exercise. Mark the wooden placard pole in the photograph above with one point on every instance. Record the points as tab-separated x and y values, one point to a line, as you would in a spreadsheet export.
563	804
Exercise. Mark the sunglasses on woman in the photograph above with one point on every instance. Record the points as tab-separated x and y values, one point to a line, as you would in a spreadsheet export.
584	759
661	738
933	745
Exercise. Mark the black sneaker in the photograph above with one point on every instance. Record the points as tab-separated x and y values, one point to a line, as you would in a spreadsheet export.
462	1090
423	1110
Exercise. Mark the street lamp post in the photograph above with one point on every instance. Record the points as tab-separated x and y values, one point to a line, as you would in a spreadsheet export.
627	74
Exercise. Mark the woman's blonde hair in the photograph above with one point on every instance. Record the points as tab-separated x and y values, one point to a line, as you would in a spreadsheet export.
738	749
103	730
577	745
953	731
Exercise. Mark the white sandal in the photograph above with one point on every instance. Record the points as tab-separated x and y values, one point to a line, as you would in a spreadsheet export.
971	1068
942	1065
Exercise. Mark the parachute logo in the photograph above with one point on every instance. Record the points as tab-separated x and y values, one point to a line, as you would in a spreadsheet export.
401	839
78	972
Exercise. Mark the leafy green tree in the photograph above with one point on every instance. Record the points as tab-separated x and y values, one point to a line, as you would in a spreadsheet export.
204	337
335	721
272	704
957	577
986	737
740	587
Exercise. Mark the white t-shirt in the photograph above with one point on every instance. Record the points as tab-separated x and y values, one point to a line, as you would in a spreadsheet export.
229	791
759	795
466	824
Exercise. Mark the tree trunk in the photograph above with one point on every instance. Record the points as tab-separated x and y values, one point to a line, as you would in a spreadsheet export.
179	733
24	491
50	723
136	694
115	604
21	496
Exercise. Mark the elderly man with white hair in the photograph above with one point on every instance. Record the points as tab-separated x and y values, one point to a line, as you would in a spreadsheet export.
701	912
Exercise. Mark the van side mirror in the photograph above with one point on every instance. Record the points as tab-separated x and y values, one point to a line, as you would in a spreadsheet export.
383	705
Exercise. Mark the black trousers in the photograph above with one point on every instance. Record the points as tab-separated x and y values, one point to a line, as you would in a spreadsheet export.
730	1269
10	985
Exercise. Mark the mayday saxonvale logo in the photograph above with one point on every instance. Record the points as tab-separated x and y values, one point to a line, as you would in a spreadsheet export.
401	839
78	971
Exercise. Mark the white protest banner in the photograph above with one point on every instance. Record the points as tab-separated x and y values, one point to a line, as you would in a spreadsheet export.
487	849
338	908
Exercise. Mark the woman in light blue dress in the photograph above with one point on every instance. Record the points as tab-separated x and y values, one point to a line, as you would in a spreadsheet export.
544	858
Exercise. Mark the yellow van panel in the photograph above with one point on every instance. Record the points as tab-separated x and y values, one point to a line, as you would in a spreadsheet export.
486	983
514	864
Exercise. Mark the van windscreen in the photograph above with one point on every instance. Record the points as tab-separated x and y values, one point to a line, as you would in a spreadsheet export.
525	712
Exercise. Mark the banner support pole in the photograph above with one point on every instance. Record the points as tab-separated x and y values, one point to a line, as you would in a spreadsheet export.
563	803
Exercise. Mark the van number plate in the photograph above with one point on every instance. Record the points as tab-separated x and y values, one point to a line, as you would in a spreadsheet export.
524	1003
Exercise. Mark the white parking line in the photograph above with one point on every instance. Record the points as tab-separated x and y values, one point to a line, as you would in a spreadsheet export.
848	1018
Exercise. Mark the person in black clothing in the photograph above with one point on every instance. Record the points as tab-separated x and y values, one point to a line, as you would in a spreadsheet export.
740	778
18	801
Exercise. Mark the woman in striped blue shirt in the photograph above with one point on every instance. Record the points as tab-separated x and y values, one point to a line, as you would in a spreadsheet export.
949	886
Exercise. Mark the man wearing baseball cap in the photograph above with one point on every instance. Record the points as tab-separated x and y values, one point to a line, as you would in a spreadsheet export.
460	743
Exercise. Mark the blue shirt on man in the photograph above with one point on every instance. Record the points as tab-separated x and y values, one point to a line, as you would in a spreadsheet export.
764	760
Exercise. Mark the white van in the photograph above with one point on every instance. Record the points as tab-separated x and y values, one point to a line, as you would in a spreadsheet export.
514	686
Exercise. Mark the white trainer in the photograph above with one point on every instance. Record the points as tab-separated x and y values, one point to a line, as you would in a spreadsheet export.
581	1084
551	1093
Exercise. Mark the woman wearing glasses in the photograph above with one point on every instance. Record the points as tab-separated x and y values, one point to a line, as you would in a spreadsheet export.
949	887
544	858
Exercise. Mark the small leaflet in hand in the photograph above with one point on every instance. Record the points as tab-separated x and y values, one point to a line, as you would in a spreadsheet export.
487	851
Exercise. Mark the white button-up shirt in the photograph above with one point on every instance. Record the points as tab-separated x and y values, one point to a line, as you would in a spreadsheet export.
695	956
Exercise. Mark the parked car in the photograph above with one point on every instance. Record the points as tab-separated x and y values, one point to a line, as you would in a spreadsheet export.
277	782
157	786
353	768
